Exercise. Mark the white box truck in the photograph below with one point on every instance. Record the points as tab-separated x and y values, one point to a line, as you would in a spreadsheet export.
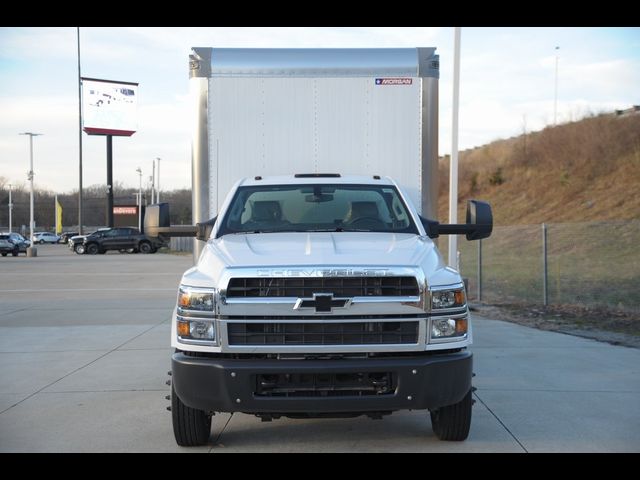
318	289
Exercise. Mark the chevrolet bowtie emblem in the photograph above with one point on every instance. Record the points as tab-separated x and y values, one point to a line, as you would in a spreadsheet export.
322	302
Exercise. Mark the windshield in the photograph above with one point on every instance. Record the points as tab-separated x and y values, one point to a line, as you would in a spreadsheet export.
317	208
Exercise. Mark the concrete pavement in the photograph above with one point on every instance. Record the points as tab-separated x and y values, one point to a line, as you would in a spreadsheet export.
84	345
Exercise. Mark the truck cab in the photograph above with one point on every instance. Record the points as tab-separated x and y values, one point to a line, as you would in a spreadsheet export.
320	295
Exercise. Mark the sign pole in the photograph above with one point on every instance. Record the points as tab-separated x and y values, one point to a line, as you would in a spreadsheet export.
110	181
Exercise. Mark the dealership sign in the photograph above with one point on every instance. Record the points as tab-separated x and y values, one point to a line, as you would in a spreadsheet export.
125	210
109	107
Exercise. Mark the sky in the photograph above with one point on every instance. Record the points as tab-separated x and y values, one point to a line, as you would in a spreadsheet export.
507	84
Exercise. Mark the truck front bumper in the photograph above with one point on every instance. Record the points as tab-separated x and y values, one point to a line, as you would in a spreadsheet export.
231	385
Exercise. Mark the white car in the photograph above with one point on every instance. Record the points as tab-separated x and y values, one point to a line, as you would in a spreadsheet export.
45	237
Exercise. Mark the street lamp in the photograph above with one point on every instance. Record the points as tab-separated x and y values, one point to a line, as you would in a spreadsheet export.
153	183
139	200
31	251
10	209
158	182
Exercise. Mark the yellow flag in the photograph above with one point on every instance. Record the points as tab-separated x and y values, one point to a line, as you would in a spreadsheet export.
58	217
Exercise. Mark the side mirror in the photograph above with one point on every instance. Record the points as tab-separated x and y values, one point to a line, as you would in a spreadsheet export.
480	216
155	217
204	229
479	223
157	224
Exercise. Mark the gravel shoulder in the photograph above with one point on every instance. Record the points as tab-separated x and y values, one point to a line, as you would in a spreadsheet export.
611	326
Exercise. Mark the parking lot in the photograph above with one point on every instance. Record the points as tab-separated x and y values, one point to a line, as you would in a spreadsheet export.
84	343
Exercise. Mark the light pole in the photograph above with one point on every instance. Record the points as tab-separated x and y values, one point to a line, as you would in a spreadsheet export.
153	182
10	209
453	165
555	95
139	200
79	138
158	182
31	251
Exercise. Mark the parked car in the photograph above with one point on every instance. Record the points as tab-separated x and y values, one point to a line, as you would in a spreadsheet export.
65	236
122	239
7	247
45	237
16	239
76	242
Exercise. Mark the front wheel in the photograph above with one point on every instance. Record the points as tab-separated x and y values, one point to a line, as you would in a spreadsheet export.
191	427
453	421
145	247
79	249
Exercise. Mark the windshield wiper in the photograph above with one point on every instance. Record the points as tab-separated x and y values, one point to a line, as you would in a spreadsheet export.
339	229
265	231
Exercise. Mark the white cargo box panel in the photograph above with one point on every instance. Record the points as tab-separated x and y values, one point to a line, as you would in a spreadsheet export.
285	111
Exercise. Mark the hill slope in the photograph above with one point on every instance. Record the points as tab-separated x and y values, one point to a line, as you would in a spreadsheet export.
582	171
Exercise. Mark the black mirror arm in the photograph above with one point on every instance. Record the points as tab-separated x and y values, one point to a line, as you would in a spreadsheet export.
431	227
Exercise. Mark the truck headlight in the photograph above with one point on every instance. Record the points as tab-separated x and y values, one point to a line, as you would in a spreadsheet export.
195	322
446	328
196	299
448	298
196	329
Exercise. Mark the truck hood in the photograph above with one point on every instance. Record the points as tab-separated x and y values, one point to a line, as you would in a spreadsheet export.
321	248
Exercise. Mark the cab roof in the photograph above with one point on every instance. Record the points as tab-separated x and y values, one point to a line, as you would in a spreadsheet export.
315	178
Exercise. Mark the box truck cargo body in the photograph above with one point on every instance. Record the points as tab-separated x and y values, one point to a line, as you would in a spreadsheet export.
281	111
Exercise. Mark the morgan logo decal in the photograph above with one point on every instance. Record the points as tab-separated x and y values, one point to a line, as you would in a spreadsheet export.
394	81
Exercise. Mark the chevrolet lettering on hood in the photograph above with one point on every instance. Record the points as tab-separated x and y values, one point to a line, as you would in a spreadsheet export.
334	272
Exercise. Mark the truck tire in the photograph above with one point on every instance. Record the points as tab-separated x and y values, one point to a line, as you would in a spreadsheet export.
452	422
145	247
92	249
191	427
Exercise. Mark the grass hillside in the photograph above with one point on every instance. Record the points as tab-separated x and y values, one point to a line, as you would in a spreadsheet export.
587	170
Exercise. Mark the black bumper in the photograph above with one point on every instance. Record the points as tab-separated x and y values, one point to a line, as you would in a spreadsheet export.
229	385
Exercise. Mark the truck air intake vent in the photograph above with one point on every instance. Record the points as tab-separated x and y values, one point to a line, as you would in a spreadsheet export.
339	286
307	333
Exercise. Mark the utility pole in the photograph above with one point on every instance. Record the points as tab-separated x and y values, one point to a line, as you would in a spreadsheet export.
31	251
555	95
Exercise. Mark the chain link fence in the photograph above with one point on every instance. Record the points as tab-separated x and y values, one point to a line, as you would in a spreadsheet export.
181	244
587	264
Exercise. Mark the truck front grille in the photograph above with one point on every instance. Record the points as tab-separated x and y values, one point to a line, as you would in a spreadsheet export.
308	333
339	286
